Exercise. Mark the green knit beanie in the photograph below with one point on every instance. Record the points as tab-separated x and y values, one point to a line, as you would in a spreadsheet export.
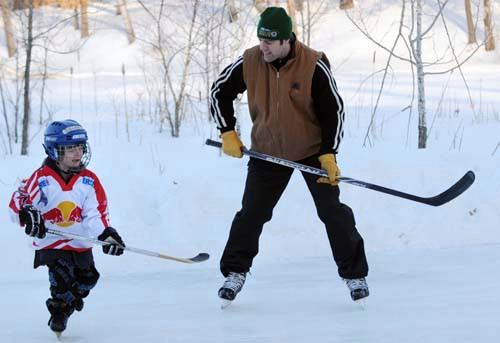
274	24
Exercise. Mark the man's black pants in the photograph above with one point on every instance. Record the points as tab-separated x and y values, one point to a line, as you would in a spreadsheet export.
264	185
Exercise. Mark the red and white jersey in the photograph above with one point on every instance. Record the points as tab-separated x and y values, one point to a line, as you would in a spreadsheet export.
78	207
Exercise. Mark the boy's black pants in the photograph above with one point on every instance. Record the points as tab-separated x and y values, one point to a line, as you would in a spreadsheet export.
264	185
71	275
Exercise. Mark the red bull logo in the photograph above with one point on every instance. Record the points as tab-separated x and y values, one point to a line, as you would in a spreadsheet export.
64	215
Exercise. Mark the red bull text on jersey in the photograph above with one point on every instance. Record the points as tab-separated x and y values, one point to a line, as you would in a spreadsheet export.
79	206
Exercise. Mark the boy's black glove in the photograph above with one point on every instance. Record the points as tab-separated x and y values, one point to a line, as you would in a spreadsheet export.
32	220
116	243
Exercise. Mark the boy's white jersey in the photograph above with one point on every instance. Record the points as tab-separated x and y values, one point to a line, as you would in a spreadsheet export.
79	206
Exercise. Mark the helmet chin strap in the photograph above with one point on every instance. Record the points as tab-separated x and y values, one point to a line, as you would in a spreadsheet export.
70	170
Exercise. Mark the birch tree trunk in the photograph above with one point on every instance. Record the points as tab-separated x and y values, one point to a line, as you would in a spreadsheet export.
299	5
44	83
470	23
179	104
84	17
76	20
125	107
233	12
307	24
9	32
260	5
291	13
422	123
346	4
27	72
488	27
122	5
5	117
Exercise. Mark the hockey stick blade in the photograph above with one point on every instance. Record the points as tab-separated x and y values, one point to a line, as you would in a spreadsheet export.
454	191
198	258
451	193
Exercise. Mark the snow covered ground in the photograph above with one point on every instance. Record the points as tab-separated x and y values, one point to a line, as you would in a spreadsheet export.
446	295
433	271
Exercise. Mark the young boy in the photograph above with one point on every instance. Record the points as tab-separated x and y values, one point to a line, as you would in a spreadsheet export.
63	195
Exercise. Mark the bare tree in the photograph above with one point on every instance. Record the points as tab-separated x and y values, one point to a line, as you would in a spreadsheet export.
415	34
471	29
17	99
27	74
123	10
416	45
291	13
76	20
34	29
125	106
9	33
44	83
180	99
186	47
488	27
346	4
171	53
299	5
84	4
260	5
496	148
233	11
311	12
221	42
5	116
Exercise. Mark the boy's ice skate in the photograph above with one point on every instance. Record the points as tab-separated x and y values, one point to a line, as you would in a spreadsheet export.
59	314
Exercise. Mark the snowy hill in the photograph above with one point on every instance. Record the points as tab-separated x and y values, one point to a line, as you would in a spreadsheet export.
432	270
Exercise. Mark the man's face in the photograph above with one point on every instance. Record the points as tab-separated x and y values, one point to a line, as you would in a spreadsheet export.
71	156
273	49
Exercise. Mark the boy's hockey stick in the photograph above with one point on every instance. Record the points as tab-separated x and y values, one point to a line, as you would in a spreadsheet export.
451	193
198	258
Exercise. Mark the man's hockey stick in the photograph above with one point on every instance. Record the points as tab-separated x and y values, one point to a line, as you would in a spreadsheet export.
451	193
198	258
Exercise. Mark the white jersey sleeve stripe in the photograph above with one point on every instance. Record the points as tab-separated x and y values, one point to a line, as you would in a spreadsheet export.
214	103
339	132
31	184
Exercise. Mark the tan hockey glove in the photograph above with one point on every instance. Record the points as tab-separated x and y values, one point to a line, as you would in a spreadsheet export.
329	163
231	144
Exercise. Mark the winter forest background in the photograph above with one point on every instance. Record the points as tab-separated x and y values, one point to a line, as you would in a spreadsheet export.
419	79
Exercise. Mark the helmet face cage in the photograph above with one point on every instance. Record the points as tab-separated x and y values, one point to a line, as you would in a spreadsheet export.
61	135
84	161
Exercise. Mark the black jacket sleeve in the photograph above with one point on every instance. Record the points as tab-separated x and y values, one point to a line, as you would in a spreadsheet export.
328	106
224	90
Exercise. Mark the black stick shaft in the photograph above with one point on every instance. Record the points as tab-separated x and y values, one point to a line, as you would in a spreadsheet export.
451	193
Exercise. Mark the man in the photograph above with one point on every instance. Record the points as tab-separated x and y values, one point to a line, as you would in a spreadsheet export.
297	114
63	195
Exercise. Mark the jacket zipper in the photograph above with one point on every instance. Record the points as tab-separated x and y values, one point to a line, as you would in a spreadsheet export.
277	92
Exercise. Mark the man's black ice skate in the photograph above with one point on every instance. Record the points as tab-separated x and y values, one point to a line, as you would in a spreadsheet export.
358	288
59	314
231	287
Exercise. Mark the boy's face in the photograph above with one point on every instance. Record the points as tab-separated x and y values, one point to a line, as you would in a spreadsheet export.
274	49
71	156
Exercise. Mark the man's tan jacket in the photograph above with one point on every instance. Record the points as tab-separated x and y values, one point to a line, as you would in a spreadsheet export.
280	103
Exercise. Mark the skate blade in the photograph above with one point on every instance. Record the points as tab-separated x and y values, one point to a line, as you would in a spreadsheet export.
225	304
362	303
58	335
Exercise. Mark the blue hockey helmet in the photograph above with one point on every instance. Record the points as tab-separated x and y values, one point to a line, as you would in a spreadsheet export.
61	134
